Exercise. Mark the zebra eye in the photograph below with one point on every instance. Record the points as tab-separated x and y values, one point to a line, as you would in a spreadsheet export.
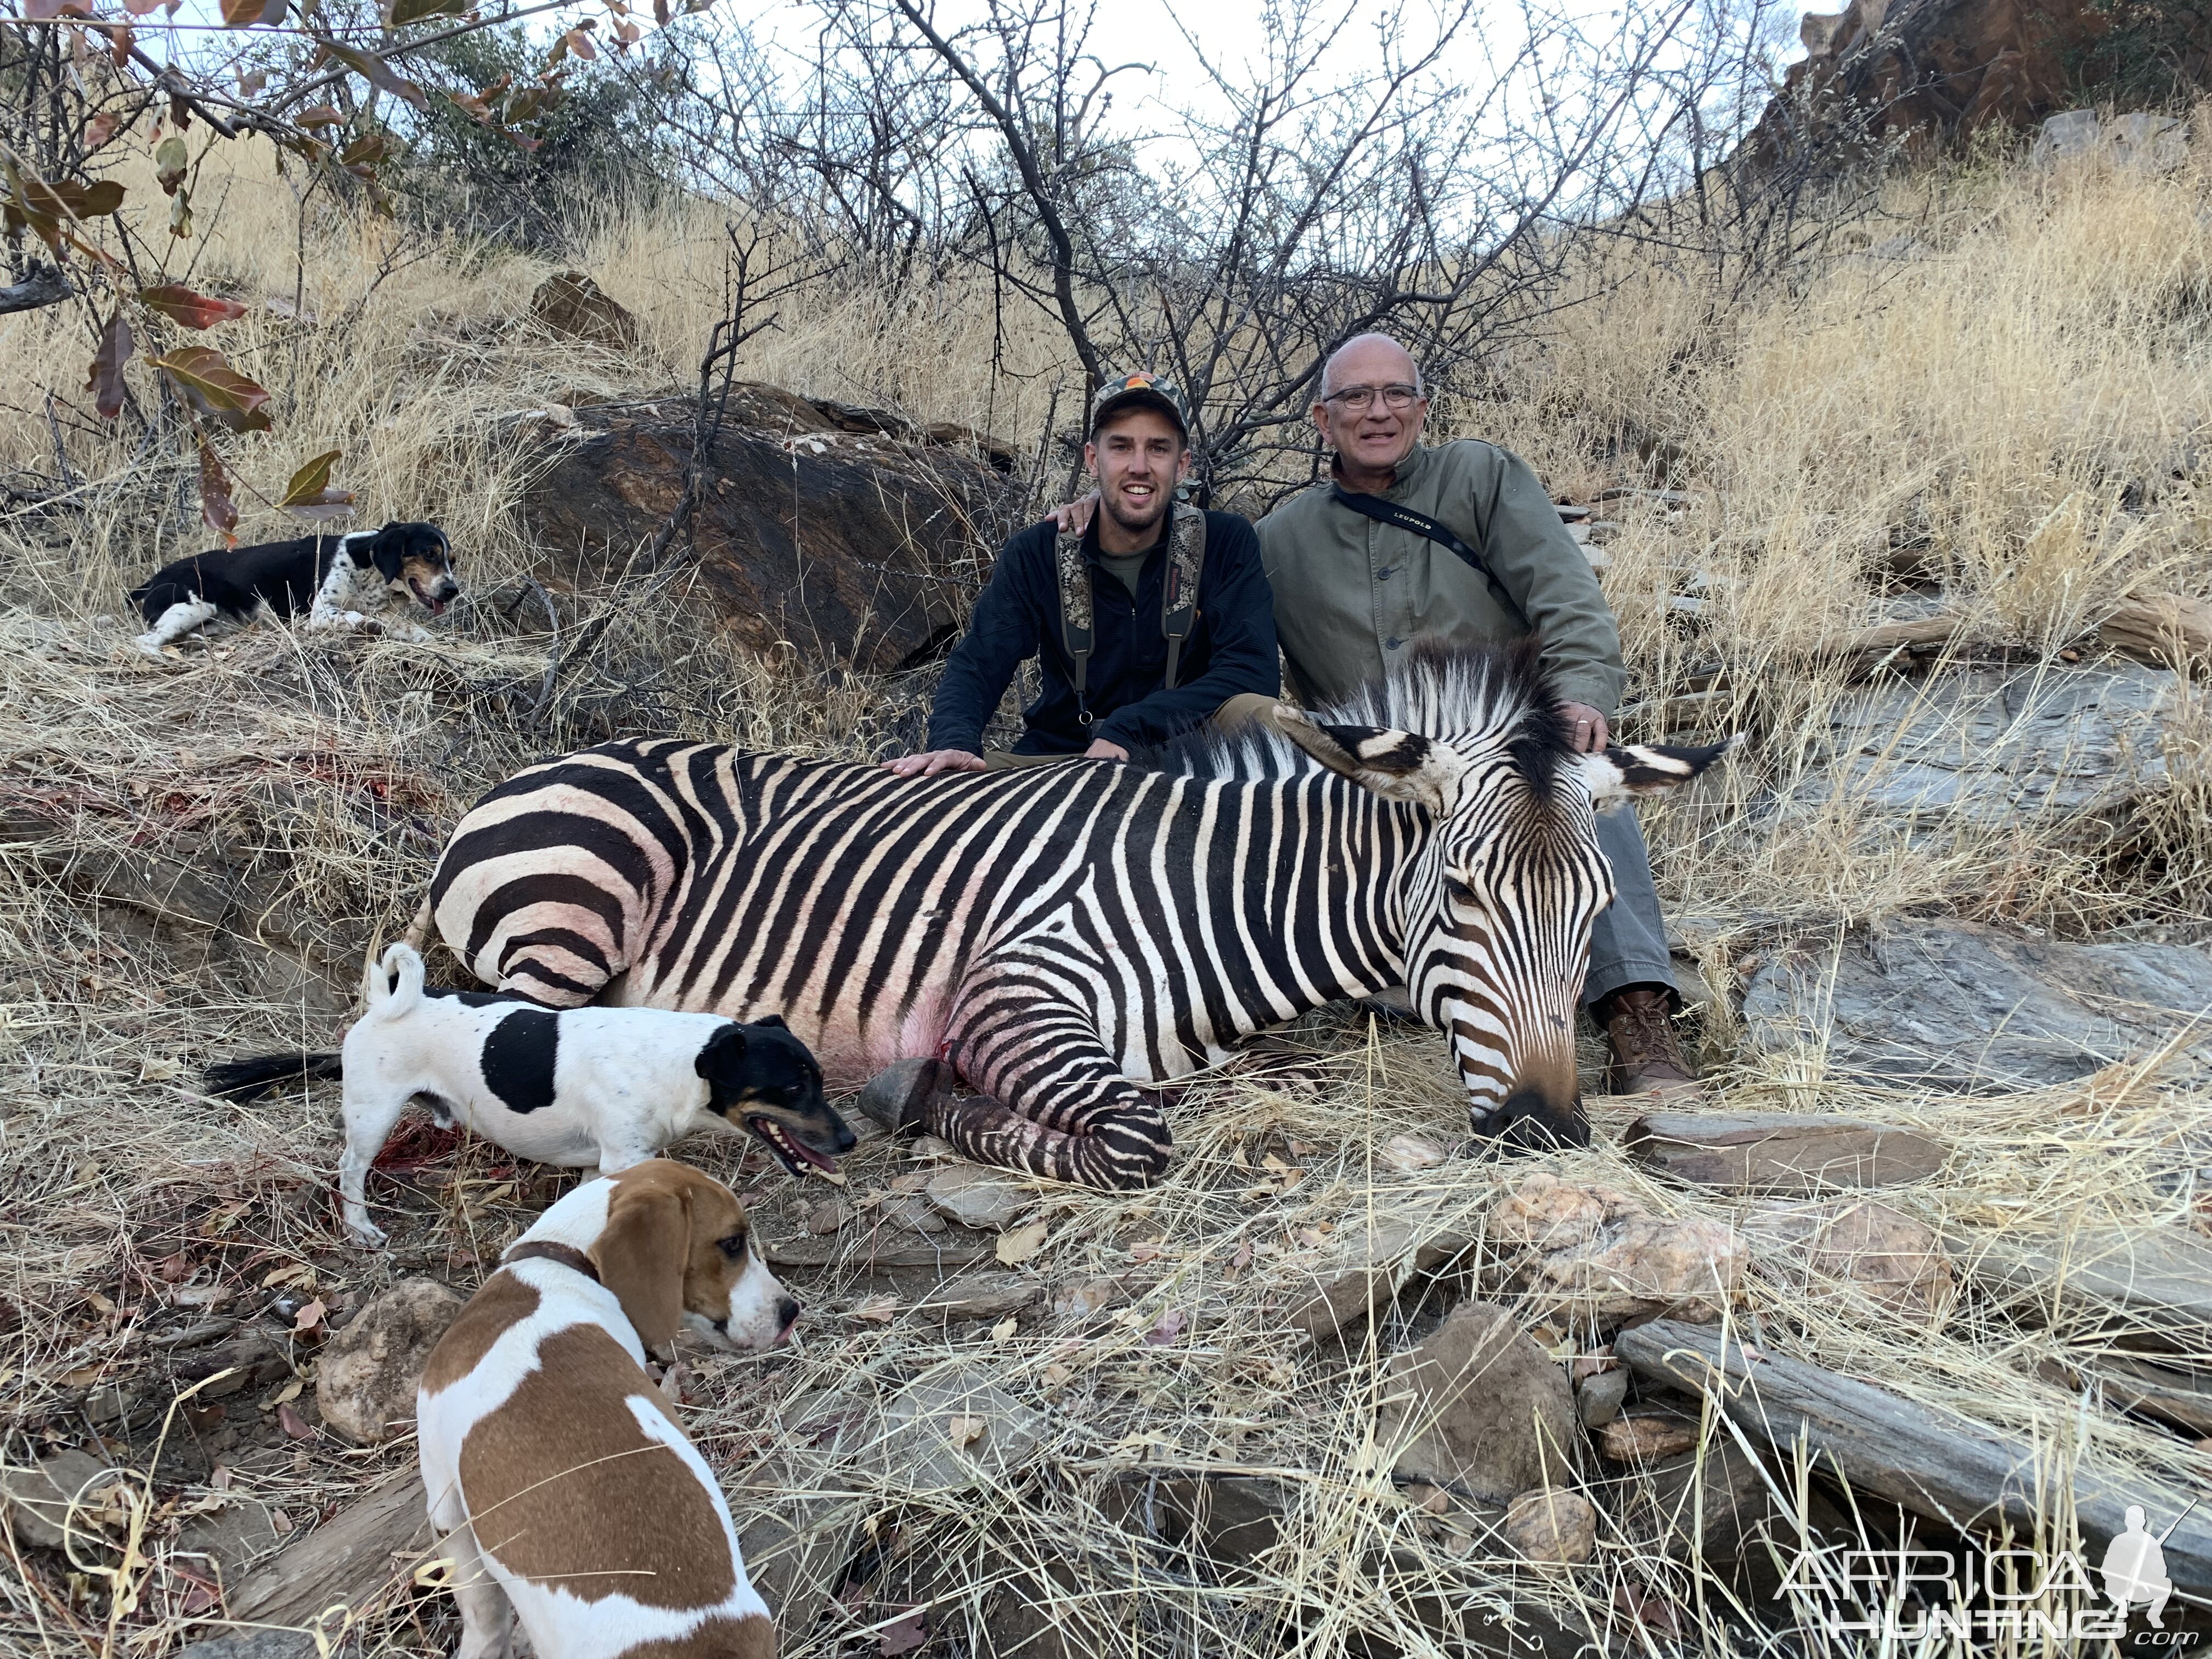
1458	889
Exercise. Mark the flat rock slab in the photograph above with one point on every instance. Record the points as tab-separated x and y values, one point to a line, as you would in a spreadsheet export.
1778	1152
974	1197
1999	749
952	1430
1973	1010
1948	1468
869	1245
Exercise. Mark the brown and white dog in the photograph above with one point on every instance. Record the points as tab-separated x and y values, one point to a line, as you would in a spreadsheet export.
564	1490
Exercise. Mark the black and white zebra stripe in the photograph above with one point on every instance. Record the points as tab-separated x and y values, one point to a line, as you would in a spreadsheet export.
1062	934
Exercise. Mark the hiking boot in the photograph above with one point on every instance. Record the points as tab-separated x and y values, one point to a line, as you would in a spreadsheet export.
1646	1057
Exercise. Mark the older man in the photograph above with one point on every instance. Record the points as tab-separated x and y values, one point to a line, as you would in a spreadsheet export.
1360	573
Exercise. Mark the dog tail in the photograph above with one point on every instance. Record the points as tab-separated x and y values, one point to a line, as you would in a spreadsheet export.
418	931
392	988
249	1080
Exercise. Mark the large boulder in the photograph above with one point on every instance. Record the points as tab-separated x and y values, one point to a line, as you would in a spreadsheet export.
1971	1009
570	304
856	548
1930	72
1477	1407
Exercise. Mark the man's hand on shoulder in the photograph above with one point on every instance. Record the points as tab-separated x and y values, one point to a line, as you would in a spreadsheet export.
1074	517
1102	750
1587	728
934	761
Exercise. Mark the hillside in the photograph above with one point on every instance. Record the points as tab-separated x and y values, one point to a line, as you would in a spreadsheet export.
1925	515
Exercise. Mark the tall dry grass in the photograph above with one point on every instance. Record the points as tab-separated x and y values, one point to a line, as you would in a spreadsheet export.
1999	393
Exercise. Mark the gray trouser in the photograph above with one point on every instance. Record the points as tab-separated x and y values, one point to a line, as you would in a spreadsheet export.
1628	941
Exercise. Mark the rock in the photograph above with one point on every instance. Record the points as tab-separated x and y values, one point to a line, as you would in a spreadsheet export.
981	1296
1477	1407
2165	629
2155	143
2070	133
1970	1009
827	1216
1373	1263
858	552
1599	1397
365	1383
1711	1505
1775	1152
37	1500
1926	75
797	1524
1644	1437
1223	1517
1592	1254
570	304
2071	750
979	1197
1892	1259
234	1538
1551	1524
951	1430
912	1212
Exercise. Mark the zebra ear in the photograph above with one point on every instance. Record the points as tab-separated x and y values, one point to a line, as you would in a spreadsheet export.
1639	768
1396	765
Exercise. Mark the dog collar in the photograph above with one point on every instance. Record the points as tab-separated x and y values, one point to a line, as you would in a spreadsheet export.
567	1254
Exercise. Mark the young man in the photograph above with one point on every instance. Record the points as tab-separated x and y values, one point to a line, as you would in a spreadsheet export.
1146	624
1353	591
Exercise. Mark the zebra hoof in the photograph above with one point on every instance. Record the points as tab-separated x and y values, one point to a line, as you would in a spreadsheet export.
899	1097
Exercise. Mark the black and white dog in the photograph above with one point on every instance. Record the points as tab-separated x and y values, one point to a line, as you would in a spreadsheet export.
580	1087
321	575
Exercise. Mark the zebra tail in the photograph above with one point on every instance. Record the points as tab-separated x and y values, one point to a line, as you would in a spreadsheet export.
249	1080
393	989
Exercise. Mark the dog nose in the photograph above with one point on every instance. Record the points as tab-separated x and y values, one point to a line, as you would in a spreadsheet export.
846	1139
786	1313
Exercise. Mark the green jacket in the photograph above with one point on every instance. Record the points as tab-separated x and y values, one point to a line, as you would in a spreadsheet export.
1350	594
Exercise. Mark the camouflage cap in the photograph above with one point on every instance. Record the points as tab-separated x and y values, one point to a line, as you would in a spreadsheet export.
1140	391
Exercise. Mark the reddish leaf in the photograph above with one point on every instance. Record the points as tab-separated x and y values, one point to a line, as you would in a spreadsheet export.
214	388
374	70
245	14
106	381
141	8
40	11
367	150
660	12
904	1637
292	1424
47	209
180	215
217	511
319	115
119	42
102	128
172	161
310	1318
251	85
628	33
181	305
580	44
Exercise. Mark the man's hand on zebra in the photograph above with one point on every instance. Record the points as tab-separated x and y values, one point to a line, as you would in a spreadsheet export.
1102	750
1588	728
931	761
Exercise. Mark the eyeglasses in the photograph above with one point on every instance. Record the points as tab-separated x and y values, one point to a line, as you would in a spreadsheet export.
1360	399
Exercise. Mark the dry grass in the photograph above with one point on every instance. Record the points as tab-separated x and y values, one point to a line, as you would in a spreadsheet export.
197	852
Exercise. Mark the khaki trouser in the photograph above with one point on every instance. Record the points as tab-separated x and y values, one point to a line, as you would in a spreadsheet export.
1234	715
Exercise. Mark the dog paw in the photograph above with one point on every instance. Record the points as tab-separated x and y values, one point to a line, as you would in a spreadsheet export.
369	1235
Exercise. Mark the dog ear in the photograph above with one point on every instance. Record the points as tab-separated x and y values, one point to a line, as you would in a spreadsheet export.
727	1044
776	1020
643	1253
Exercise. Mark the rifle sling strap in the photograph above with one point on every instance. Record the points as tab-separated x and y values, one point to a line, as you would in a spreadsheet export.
1420	523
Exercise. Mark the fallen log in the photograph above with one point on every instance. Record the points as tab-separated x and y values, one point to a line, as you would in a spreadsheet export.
1778	1153
1940	1466
2167	629
346	1562
2157	1287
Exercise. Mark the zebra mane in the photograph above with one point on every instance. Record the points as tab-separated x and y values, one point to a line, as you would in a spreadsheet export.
1440	690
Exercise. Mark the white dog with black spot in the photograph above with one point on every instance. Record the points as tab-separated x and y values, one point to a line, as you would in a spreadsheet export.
582	1088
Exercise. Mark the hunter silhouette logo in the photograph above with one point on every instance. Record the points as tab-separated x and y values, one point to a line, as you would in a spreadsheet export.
2135	1566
